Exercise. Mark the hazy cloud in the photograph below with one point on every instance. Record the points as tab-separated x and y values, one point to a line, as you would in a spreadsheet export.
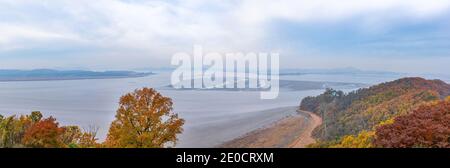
136	34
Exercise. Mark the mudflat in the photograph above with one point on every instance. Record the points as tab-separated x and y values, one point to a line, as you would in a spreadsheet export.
293	131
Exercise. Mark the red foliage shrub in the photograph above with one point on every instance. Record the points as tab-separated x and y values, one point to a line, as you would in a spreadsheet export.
427	126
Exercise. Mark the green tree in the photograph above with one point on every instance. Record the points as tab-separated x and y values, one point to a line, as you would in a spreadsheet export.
12	130
35	116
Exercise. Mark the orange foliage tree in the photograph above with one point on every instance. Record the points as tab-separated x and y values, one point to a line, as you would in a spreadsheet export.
44	134
144	119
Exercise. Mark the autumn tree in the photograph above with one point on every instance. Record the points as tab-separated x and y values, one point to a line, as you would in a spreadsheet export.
9	132
32	131
427	126
71	136
12	128
88	139
350	113
362	140
144	119
44	134
35	116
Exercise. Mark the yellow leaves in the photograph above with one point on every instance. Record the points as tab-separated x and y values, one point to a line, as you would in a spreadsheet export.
145	120
12	128
88	140
322	144
386	122
362	140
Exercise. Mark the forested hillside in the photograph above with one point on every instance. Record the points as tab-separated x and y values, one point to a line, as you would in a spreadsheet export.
351	120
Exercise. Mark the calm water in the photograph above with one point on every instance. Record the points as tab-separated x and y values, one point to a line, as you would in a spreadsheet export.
212	117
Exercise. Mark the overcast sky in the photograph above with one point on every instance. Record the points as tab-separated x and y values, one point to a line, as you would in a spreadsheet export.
394	35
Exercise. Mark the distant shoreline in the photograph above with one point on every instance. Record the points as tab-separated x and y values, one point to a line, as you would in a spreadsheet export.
70	78
12	75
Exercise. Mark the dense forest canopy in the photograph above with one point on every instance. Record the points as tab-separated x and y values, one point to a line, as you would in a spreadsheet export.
358	113
427	126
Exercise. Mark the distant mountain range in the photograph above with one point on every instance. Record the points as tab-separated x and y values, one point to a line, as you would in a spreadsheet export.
50	74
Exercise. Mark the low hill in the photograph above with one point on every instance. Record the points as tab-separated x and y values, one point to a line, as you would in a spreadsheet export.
362	110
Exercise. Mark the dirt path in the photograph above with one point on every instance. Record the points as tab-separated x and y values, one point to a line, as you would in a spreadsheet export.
305	137
291	132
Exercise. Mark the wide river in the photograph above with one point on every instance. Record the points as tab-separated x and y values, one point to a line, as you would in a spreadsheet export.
212	117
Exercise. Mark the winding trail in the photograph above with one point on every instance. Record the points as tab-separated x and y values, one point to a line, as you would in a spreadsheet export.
294	131
305	138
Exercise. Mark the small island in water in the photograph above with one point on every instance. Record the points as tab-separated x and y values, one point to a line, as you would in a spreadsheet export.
50	74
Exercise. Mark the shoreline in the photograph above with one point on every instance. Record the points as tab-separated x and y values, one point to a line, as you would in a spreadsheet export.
74	78
231	126
306	137
292	131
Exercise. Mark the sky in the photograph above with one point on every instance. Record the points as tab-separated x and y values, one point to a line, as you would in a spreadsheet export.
388	35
